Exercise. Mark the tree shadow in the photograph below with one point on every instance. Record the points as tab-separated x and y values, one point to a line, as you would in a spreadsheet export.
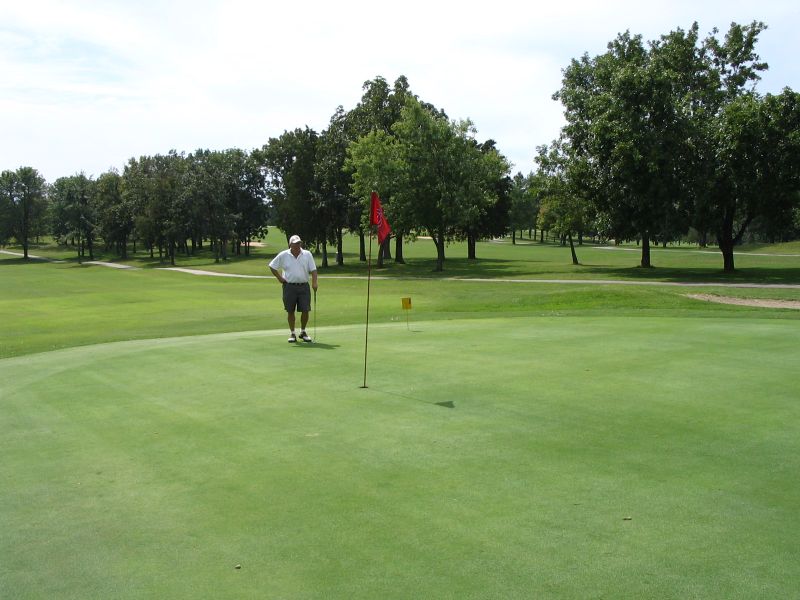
20	261
777	276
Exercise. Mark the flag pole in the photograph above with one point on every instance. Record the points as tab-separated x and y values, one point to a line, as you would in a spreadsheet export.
366	329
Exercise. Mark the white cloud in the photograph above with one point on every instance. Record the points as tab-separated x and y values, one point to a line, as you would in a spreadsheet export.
86	84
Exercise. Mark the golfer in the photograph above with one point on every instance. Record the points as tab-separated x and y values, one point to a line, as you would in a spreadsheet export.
292	267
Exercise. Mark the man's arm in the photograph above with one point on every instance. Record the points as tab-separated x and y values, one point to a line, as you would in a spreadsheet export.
278	276
314	280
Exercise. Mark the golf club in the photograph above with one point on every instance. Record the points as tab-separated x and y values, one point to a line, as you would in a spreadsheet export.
315	315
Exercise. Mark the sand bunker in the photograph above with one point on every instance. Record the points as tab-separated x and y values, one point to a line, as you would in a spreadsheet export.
760	302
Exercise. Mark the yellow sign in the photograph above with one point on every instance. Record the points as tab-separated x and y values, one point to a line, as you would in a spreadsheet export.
406	303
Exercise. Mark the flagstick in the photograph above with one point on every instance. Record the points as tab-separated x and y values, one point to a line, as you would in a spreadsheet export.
369	279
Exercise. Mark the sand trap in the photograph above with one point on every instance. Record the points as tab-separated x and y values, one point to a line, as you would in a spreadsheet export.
760	302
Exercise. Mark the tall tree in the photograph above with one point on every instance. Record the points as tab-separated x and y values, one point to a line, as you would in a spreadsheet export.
376	162
448	179
248	188
625	121
524	203
563	183
114	213
204	186
379	110
8	184
291	183
746	144
74	217
484	174
758	174
336	203
25	200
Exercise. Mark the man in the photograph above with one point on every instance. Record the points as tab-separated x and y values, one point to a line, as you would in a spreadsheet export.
292	267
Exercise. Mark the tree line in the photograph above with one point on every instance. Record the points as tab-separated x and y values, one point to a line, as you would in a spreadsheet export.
671	135
662	138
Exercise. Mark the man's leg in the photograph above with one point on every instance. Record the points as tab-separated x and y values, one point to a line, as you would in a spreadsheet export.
303	323
290	318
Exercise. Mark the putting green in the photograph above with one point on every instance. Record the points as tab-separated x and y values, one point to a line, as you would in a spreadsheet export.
506	458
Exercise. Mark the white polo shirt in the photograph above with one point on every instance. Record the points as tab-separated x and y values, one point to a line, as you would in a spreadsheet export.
295	270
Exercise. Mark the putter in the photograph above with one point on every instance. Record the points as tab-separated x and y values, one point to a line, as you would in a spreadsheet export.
315	315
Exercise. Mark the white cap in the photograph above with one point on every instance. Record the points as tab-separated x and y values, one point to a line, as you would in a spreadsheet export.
295	239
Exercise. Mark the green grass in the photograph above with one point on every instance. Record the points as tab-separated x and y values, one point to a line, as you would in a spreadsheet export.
47	306
152	469
516	440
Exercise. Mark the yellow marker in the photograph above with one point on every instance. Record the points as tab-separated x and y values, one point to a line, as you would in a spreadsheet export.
407	307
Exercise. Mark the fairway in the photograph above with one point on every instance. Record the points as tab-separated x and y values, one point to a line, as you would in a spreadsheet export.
522	457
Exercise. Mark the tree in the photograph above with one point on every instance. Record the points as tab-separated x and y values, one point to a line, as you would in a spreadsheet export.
7	191
747	145
563	182
378	111
628	125
291	183
758	145
24	204
114	212
74	217
486	193
154	185
248	185
336	203
524	202
376	162
204	186
447	178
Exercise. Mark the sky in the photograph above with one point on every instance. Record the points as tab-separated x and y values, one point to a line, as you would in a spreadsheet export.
86	85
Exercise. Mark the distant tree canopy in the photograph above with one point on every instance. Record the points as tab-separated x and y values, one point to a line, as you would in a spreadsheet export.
662	139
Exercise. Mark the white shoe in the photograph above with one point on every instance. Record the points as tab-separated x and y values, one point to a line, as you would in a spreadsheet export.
292	339
304	337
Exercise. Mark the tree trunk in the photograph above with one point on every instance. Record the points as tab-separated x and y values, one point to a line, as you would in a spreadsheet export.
727	257
572	249
439	241
646	250
362	246
339	247
471	243
398	250
513	237
726	241
324	256
381	254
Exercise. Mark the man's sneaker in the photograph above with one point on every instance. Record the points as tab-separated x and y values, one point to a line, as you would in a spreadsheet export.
292	339
304	337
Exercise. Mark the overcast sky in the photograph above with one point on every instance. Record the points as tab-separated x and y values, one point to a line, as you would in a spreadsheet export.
86	85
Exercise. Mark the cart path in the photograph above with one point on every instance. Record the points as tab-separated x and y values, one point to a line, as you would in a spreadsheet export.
757	302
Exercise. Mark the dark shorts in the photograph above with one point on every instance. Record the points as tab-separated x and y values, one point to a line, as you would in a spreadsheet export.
297	296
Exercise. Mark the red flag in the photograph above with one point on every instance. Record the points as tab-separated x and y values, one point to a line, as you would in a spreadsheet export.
376	217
